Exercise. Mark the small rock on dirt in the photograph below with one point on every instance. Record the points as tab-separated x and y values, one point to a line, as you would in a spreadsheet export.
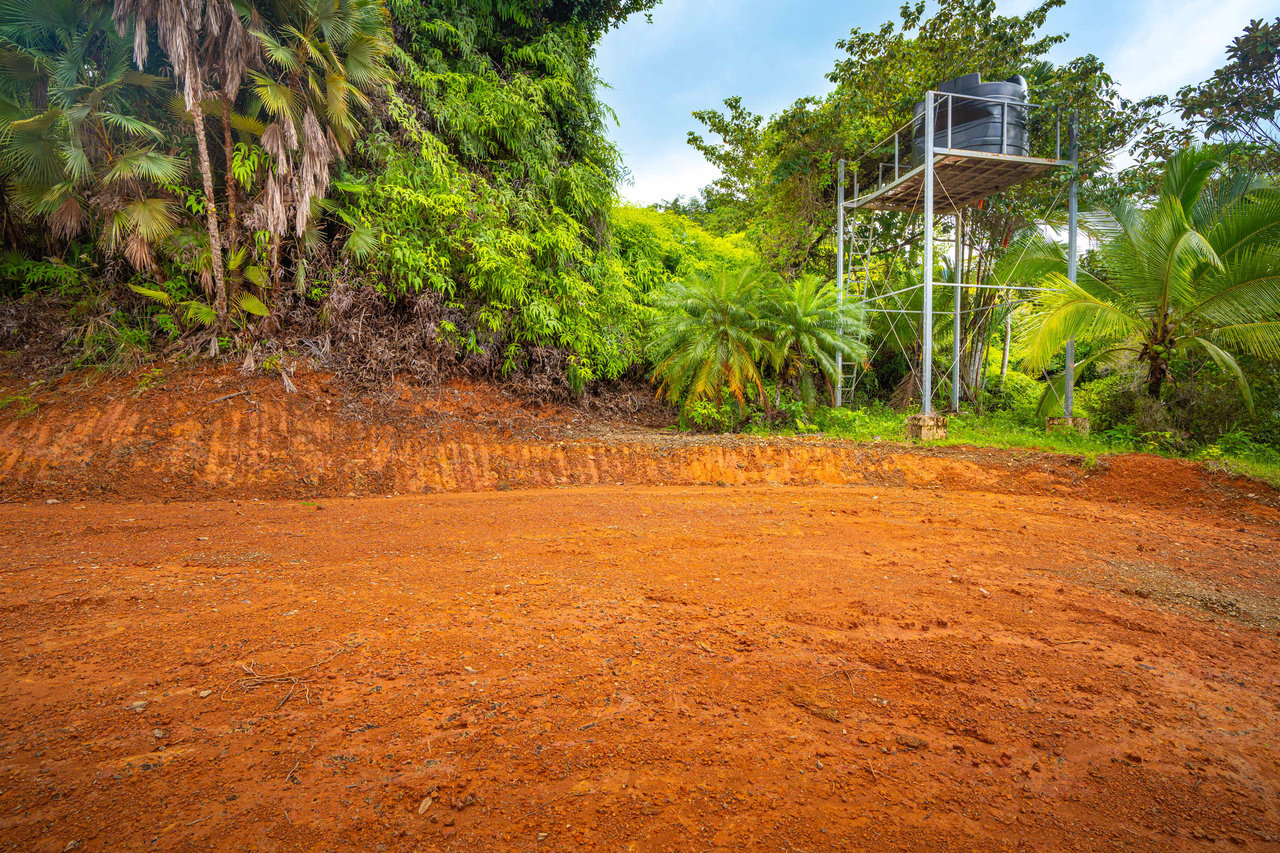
205	694
426	804
139	706
912	742
159	733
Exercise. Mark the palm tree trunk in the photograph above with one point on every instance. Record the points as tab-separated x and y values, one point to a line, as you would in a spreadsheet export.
211	220
1155	379
982	383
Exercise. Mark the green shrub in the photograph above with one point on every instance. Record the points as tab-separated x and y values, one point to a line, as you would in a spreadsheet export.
874	422
722	414
20	275
1110	401
112	341
1017	394
657	246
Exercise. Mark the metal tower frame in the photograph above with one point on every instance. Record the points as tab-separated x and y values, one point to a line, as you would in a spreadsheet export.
966	177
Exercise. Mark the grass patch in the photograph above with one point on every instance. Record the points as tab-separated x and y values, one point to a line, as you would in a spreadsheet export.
20	402
1265	470
1235	454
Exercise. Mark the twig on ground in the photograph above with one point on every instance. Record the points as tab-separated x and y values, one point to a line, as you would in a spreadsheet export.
292	686
292	677
228	396
876	774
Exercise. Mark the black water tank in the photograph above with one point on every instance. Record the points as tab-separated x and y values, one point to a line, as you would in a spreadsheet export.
977	125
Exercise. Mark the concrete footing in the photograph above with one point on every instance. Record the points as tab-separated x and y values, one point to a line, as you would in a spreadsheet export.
1080	425
926	427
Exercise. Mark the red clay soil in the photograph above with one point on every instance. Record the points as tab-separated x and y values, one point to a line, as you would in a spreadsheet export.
860	647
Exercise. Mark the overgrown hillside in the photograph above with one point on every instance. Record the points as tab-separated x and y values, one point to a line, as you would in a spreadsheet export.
425	187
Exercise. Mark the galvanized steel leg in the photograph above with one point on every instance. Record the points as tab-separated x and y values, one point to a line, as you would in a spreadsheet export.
1073	193
926	314
839	390
955	318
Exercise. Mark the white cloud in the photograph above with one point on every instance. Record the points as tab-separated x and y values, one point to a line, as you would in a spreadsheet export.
680	171
1169	46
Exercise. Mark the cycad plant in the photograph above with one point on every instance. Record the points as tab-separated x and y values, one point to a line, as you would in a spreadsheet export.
74	150
1197	270
808	326
711	336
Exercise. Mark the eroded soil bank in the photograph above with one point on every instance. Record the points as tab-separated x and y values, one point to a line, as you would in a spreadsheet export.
209	433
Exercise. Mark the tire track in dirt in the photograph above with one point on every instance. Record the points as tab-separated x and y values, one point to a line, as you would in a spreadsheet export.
189	440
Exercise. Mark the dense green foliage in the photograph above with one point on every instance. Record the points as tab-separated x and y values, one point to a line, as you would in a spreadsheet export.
1178	306
488	184
659	246
477	191
1241	101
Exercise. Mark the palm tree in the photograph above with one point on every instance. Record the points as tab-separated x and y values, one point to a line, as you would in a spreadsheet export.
70	144
228	53
323	58
809	326
180	26
1198	270
711	336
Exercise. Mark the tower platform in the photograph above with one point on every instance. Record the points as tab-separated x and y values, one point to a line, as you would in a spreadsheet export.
963	178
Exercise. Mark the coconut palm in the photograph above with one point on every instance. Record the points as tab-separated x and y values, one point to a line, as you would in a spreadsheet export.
1197	270
809	326
711	336
71	146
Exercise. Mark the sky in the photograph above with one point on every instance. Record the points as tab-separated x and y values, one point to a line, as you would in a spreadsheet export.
696	53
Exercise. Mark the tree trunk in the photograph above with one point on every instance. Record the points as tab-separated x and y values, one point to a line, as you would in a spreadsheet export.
978	394
211	220
1155	379
1004	355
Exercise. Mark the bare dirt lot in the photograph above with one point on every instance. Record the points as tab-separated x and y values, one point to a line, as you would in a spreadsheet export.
853	648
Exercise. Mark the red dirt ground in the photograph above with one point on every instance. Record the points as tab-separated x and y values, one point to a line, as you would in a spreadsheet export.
855	647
